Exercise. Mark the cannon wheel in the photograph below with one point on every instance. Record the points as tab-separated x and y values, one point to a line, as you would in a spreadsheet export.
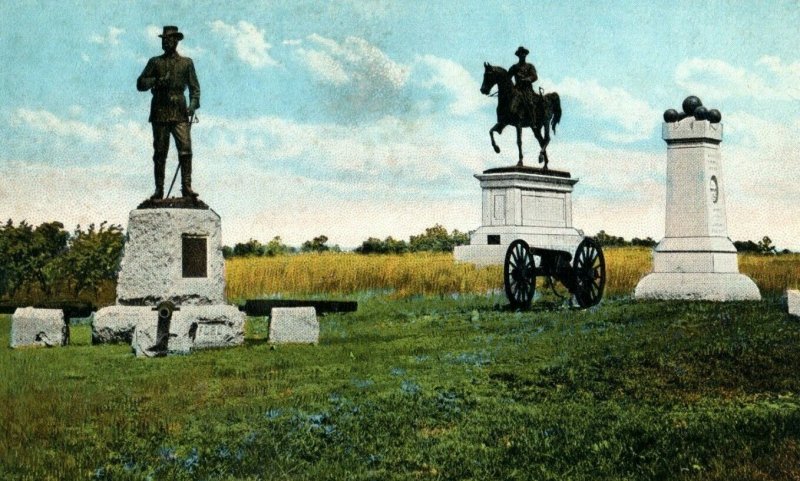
518	274
589	266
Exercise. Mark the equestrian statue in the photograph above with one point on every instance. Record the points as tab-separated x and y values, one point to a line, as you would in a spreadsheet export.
519	105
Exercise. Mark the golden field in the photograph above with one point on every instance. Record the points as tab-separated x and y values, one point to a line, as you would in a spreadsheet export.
437	274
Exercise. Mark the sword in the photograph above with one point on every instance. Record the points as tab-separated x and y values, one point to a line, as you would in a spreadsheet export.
192	120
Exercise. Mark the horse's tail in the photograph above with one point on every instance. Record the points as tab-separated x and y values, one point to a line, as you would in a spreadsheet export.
555	102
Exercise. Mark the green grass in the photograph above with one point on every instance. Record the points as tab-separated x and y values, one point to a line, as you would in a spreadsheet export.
425	388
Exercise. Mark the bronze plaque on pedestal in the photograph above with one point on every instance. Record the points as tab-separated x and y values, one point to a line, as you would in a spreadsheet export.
194	256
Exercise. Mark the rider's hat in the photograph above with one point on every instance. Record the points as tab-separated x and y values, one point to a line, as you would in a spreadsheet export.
521	51
171	31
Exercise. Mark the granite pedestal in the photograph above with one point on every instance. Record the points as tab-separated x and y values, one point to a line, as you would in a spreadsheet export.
522	203
173	253
695	260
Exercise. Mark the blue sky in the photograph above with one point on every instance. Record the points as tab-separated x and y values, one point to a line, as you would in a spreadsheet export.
356	118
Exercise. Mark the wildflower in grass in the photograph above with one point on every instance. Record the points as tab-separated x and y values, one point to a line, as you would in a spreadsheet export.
192	460
421	358
272	413
397	371
167	454
410	387
362	383
223	452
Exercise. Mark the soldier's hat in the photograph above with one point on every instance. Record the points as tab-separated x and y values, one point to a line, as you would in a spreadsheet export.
521	51
171	31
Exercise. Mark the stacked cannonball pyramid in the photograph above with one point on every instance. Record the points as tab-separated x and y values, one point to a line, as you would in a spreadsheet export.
693	107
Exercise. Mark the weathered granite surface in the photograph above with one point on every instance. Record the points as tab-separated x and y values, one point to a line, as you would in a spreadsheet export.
38	327
190	328
293	325
152	264
115	324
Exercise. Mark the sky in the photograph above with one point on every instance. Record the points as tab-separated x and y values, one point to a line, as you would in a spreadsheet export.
357	119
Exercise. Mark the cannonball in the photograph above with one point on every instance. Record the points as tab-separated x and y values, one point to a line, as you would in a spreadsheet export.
671	115
690	104
701	113
714	116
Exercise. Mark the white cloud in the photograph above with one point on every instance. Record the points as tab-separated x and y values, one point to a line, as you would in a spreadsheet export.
636	117
248	41
44	121
354	60
456	80
111	37
269	176
292	42
717	79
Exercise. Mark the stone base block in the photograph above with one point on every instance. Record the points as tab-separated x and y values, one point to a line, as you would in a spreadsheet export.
683	262
481	252
293	325
190	328
115	324
793	302
172	254
38	327
697	286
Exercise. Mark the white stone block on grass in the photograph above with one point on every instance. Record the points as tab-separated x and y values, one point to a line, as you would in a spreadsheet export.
32	327
115	324
190	328
793	302
293	325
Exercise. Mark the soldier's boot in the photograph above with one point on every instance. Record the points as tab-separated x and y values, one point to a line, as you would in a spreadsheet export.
186	176
158	174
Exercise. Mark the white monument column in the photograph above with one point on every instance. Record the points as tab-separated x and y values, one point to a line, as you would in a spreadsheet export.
695	260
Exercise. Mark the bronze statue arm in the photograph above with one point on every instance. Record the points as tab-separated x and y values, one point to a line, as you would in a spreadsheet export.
194	89
147	80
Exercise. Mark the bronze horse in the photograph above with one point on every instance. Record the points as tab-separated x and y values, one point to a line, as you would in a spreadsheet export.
546	111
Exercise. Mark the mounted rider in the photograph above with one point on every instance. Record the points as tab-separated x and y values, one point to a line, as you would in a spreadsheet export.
524	75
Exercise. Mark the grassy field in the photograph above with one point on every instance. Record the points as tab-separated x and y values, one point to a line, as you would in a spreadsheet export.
437	274
449	387
431	379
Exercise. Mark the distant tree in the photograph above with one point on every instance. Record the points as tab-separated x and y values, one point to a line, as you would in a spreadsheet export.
646	242
607	240
247	249
29	254
437	239
93	256
319	244
373	245
276	247
765	245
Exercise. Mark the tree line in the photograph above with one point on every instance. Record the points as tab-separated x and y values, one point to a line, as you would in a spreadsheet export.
51	261
434	239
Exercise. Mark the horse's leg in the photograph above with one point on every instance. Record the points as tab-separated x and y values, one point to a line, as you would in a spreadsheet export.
545	140
498	127
538	134
519	144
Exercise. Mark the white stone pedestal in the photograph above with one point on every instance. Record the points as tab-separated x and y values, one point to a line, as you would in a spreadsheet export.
172	254
522	203
696	260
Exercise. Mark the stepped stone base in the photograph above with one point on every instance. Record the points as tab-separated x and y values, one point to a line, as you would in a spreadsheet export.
190	328
697	286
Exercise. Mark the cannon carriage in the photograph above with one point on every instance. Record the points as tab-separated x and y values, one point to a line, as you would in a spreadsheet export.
583	275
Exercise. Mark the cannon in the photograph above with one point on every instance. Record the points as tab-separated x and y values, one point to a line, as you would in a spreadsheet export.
584	276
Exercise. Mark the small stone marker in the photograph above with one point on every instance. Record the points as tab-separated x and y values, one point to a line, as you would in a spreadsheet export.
297	325
38	327
793	302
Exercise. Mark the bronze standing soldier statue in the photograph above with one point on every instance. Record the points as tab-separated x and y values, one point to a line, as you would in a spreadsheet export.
167	76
